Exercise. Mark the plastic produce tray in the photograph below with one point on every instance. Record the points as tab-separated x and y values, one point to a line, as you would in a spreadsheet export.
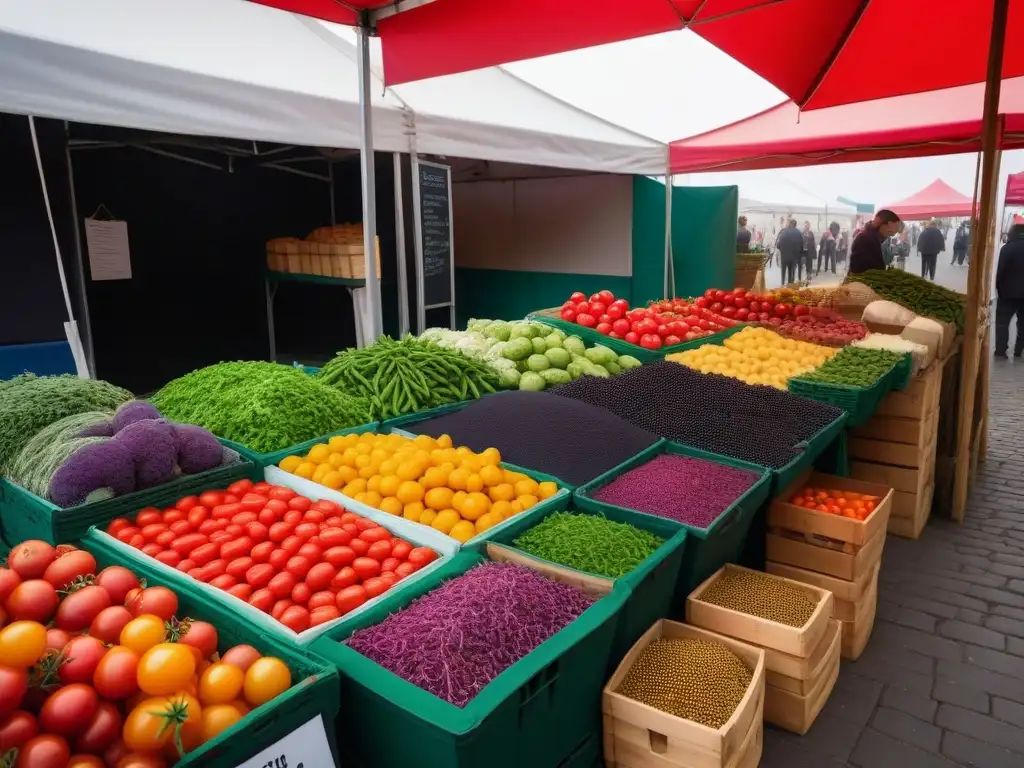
272	458
399	423
903	372
620	347
706	549
652	584
23	515
860	403
544	710
315	688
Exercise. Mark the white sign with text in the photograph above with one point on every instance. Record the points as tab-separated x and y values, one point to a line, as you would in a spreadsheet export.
305	747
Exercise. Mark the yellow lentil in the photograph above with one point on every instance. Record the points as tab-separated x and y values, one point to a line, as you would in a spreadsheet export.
761	595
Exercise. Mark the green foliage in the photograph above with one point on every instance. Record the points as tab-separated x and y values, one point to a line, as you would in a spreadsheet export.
916	294
854	367
263	406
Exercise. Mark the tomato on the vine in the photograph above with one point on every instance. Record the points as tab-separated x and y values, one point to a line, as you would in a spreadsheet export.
165	668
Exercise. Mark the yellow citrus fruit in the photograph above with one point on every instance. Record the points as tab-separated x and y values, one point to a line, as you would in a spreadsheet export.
547	489
527	487
502	508
475	506
491	475
306	469
487	521
445	520
428	516
462	531
527	500
438	498
474	483
391	505
491	456
409	491
458	499
332	480
319	453
389	485
290	463
502	492
457	479
413	511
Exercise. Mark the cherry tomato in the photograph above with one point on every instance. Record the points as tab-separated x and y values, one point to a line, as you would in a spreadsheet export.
327	507
339	556
267	517
184	566
102	730
375	586
350	598
292	517
165	668
261	552
301	593
221	537
243	518
296	618
207	527
22	643
8	581
148	516
152	549
280	531
323	614
311	552
262	599
82	656
365	567
200	635
257	532
13	686
313	516
108	623
85	761
236	548
379	551
68	710
126	534
31	558
205	553
320	576
280	606
266	678
240	487
324	597
215	568
359	546
224	581
32	600
67	568
17	728
78	609
197	516
115	677
239	566
298	566
259	575
282	584
158	601
306	531
47	751
184	544
145	729
420	556
334	537
180	527
279	558
56	639
118	524
345	577
168	557
143	632
242	591
218	718
389	564
377	533
211	499
151	531
144	759
292	544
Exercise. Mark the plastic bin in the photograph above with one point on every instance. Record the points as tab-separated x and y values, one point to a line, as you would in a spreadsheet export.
706	549
860	403
903	372
620	347
652	584
272	458
399	423
27	516
544	710
315	688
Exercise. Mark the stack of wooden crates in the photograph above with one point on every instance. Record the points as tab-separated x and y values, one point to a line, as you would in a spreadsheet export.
840	554
897	448
334	251
801	663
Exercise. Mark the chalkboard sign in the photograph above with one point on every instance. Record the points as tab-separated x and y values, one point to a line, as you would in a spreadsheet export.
435	259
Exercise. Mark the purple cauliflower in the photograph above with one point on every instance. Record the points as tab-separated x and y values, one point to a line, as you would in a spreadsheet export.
98	429
198	449
93	473
133	411
154	449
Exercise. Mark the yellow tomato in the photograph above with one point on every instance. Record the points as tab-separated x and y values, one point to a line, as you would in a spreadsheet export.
547	489
413	511
142	633
22	643
306	469
217	719
502	492
391	505
266	678
165	668
475	505
147	727
290	463
438	498
491	475
444	521
462	531
427	517
220	684
487	521
319	453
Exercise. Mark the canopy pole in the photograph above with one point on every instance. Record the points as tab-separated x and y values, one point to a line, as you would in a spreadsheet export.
974	325
403	277
670	287
366	161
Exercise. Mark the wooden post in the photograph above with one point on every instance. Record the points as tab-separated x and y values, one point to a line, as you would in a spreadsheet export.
980	256
986	349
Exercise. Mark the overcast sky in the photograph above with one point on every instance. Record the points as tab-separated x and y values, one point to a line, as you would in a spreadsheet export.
676	84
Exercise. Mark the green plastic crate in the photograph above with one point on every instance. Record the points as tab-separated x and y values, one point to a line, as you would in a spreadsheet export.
272	458
652	583
621	347
541	711
27	516
706	549
860	403
401	422
315	682
903	372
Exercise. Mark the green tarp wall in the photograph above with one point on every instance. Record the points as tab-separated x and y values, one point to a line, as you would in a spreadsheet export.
704	238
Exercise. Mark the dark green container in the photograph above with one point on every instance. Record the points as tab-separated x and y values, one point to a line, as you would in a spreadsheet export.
903	372
314	688
652	584
27	516
544	710
860	403
271	459
706	549
620	347
403	422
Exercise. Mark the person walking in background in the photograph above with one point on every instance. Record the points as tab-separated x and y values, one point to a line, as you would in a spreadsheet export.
809	249
742	236
843	246
866	251
827	248
791	251
1010	292
959	245
930	245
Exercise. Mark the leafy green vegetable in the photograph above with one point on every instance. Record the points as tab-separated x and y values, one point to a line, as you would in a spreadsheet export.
854	367
29	403
264	406
916	294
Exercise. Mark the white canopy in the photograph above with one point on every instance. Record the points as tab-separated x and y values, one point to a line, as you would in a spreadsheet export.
240	70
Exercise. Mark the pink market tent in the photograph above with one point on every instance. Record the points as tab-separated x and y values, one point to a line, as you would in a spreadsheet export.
1018	219
1015	189
917	125
937	199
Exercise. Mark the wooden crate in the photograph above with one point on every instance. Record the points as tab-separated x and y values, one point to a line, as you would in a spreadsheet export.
638	736
893	454
844	593
797	712
905	479
911	526
899	429
857	633
839	559
916	401
818	661
795	641
848	610
782	514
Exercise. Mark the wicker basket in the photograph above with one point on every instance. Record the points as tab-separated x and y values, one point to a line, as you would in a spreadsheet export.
746	269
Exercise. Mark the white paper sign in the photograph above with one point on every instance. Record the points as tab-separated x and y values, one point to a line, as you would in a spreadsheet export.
109	255
305	747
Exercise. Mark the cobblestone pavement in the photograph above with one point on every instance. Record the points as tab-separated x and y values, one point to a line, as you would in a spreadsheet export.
941	683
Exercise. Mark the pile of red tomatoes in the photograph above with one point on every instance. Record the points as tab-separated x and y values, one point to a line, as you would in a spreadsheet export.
303	562
97	672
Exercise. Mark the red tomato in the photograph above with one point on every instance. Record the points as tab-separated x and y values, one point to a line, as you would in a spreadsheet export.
339	556
261	552
375	586
184	545
280	607
281	493
279	506
278	558
118	524
224	581
345	577
66	568
320	576
243	518
365	567
13	686
31	558
82	656
282	584
295	618
200	635
151	531
240	487
241	656
267	516
301	503
68	710
216	568
323	614
327	507
185	565
206	553
102	730
221	537
211	499
334	537
108	623
404	570
180	528
48	751
148	516
258	576
17	728
125	534
298	566
241	591
197	516
292	544
389	564
56	639
350	598
239	566
257	532
306	531
253	502
8	581
32	600
301	593
262	599
237	548
379	550
279	532
313	516
324	597
159	601
152	549
292	517
420	556
311	552
401	549
359	546
197	573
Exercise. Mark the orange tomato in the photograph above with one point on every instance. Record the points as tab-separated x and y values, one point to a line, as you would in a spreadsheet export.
265	679
191	727
22	643
166	668
842	502
220	684
143	633
218	718
869	506
145	729
141	760
85	761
